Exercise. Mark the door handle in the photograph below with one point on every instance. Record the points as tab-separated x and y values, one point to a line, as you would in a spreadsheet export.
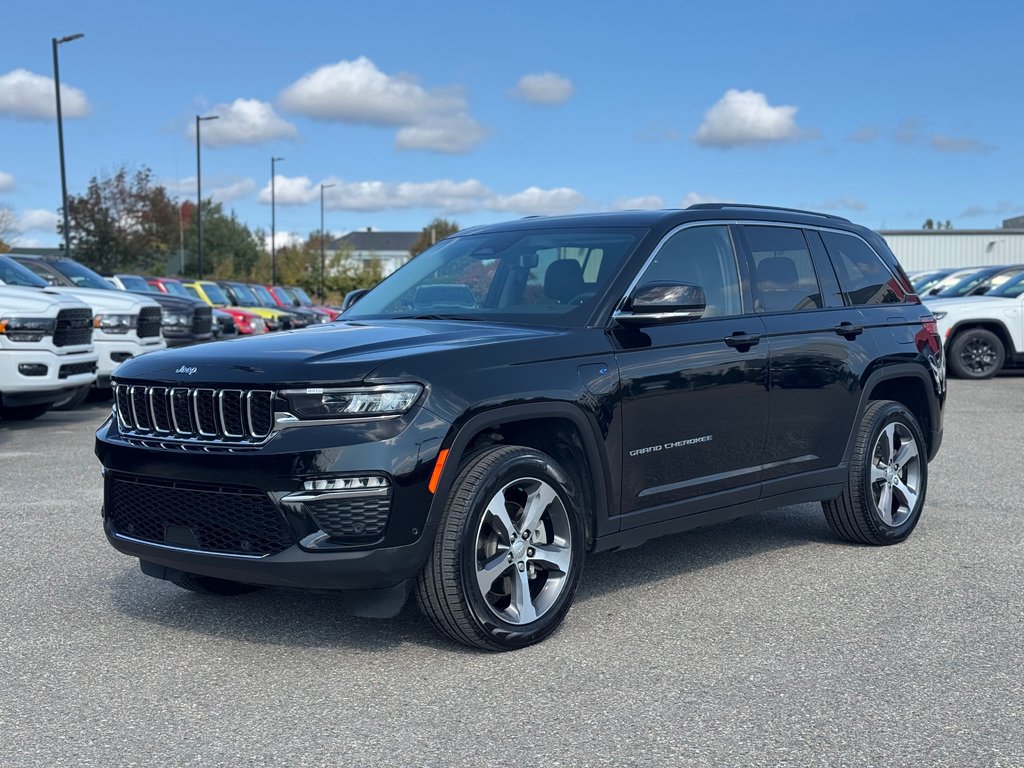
849	330
742	341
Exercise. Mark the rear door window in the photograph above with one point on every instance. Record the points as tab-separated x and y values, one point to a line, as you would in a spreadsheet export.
784	273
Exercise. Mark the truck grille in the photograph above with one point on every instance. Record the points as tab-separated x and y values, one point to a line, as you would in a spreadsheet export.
195	516
74	326
74	369
195	413
149	322
202	321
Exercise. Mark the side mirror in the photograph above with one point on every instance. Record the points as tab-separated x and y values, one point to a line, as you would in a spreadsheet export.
662	302
352	297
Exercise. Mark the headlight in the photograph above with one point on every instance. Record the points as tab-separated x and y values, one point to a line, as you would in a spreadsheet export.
316	403
258	326
115	323
27	328
939	315
177	319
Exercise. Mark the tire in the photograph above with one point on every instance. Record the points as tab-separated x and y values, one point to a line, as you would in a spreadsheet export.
23	412
527	596
976	354
72	399
888	479
208	585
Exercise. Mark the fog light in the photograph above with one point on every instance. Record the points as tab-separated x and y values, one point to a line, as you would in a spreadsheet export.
32	369
346	483
120	357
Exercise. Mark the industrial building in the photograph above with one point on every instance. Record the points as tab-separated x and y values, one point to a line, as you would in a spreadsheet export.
919	249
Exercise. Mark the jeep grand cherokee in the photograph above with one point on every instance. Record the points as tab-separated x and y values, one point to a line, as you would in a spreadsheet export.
615	377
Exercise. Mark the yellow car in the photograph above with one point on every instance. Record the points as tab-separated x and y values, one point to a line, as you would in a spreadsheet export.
216	296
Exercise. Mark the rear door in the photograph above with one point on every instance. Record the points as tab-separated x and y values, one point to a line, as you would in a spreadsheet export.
817	350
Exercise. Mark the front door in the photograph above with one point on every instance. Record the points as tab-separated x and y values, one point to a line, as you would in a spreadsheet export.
695	402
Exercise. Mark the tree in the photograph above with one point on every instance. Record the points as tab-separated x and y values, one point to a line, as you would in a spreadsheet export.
123	223
436	230
7	228
230	249
937	224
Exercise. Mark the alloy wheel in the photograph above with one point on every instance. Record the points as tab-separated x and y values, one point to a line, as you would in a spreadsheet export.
978	356
895	474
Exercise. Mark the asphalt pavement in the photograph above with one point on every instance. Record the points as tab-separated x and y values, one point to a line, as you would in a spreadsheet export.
761	642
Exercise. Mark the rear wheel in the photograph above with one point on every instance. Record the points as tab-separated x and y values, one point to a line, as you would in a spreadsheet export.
508	554
23	412
976	353
887	481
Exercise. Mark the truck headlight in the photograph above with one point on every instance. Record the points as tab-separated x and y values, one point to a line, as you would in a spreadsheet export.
939	315
176	320
318	403
115	323
27	328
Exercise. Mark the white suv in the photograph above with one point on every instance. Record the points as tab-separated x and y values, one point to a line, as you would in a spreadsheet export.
983	333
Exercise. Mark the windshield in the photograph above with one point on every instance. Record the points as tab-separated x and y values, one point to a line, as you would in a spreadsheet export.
264	296
243	296
550	276
12	273
285	295
960	283
215	293
179	290
303	297
1011	289
135	284
81	275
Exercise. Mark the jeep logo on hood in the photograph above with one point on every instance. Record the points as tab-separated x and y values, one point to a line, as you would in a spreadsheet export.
187	370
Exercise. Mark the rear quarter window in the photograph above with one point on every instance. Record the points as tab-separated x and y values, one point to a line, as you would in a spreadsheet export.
863	276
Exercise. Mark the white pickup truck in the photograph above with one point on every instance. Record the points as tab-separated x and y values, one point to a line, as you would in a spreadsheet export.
127	325
982	333
46	350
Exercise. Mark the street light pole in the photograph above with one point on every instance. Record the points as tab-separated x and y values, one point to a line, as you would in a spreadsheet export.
199	199
60	139
273	221
323	296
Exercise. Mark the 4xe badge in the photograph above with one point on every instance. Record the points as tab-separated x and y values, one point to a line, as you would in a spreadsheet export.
188	371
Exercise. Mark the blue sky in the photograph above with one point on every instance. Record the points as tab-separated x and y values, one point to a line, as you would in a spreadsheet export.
888	113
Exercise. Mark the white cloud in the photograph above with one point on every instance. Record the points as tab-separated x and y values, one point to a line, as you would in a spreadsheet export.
960	144
694	198
28	95
546	88
243	121
445	195
745	118
221	190
283	239
436	120
644	202
6	182
1002	208
864	135
37	220
843	203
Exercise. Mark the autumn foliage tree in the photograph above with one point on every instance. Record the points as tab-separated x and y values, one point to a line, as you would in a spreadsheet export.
436	230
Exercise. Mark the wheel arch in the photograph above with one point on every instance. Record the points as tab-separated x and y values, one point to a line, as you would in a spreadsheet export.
561	430
995	326
910	386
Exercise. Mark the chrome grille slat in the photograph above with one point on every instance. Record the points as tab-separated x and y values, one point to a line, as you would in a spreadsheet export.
203	416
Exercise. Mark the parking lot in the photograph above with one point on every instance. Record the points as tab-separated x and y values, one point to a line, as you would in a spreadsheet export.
759	642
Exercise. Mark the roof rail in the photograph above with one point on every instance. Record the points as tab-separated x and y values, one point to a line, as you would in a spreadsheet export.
722	206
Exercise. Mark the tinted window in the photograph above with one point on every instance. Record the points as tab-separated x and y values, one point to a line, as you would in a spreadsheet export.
135	283
702	256
12	273
81	275
783	269
862	274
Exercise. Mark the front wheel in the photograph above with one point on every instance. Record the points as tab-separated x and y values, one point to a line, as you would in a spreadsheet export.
976	354
888	477
508	554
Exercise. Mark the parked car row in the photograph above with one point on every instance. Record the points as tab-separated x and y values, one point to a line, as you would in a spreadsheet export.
980	316
64	329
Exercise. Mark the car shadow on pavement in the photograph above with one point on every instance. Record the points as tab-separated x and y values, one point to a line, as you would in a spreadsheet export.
296	618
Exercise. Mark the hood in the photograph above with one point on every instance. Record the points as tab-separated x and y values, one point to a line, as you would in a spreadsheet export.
110	301
972	304
338	354
44	301
173	303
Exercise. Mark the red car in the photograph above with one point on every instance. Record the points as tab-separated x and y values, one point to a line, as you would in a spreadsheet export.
293	296
247	323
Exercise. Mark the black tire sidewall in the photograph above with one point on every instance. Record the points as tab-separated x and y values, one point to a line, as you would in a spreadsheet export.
893	413
536	466
957	346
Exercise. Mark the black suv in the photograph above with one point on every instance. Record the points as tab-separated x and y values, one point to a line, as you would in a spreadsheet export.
616	377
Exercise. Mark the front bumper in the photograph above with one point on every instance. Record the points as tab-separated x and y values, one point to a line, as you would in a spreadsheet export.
19	389
113	352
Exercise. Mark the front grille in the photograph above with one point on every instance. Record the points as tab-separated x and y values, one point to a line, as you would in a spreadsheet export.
205	517
75	369
198	414
149	322
227	326
74	326
351	519
202	321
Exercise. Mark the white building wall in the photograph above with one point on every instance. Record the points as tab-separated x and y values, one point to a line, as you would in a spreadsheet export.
936	250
